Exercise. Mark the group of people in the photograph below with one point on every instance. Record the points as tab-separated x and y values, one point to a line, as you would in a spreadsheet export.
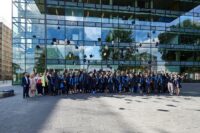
72	82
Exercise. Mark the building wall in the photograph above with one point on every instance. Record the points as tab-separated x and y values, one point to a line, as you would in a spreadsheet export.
5	52
139	35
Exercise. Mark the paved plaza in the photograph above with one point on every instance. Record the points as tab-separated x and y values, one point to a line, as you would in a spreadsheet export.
102	113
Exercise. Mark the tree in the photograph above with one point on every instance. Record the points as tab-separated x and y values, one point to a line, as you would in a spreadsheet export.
113	52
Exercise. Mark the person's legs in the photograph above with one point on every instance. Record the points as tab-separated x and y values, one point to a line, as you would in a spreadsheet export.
24	92
172	89
135	89
168	87
178	91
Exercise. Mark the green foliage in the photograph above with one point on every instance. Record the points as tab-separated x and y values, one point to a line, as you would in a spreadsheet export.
40	64
123	35
111	52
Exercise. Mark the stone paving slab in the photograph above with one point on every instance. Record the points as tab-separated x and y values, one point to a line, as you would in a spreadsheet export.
102	113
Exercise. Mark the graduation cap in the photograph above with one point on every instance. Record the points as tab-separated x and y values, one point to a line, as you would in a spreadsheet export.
91	56
148	35
84	60
37	46
76	46
68	42
99	39
156	44
34	36
54	39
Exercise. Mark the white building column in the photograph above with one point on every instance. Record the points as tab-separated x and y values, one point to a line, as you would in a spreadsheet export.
151	4
111	2
136	3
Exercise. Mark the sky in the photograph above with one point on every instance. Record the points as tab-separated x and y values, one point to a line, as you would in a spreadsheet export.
5	11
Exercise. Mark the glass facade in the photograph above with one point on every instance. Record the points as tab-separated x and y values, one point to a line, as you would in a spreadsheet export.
137	35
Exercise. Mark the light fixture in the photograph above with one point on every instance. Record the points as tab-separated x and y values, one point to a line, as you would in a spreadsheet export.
70	55
112	42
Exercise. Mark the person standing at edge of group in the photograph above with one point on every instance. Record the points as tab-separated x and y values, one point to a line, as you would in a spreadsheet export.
25	84
170	84
44	84
33	90
177	82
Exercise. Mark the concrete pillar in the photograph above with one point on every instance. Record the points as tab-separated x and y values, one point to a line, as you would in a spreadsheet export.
111	2
151	4
110	20
136	3
178	56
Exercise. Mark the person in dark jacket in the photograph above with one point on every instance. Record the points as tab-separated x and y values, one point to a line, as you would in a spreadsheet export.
110	83
25	85
93	83
66	81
